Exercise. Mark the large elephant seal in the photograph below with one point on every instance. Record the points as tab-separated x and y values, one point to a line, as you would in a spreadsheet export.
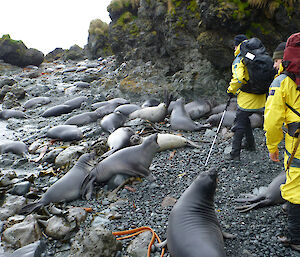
9	113
83	119
180	120
256	119
106	109
119	139
65	133
221	107
67	188
57	110
41	100
153	113
16	147
193	228
132	161
198	108
271	196
112	121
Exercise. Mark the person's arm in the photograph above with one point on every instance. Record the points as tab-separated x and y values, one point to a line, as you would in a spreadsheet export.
238	76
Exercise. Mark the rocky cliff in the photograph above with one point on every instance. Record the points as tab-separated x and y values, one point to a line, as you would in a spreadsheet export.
190	37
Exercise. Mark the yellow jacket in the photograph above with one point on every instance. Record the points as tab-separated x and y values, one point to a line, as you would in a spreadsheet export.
282	90
240	76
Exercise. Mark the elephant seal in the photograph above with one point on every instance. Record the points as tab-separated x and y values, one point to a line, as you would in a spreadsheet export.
193	228
119	139
256	119
57	110
180	119
114	101
76	102
133	161
16	147
67	188
112	121
42	100
271	196
168	141
9	113
106	109
150	103
198	108
126	109
65	133
83	119
221	107
153	114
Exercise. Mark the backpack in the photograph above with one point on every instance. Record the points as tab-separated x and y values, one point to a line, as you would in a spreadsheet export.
259	65
291	58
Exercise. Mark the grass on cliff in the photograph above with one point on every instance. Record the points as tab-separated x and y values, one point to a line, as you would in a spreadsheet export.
98	27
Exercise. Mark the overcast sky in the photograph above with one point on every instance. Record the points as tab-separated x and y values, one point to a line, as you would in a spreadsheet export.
47	24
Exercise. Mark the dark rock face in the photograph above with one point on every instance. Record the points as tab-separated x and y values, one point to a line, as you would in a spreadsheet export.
172	32
16	53
55	54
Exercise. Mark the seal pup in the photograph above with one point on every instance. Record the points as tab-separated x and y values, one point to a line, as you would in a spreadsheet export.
67	188
112	121
221	107
116	101
150	103
180	120
198	108
132	161
106	109
65	133
57	110
9	113
271	196
82	119
119	139
169	141
16	147
126	109
193	227
153	114
76	102
41	100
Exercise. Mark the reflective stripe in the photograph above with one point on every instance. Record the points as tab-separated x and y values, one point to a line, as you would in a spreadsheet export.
277	81
295	162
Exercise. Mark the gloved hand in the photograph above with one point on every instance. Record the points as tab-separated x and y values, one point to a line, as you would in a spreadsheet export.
230	94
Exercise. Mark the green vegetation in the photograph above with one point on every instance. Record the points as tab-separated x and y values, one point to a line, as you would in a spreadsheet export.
98	27
7	37
120	5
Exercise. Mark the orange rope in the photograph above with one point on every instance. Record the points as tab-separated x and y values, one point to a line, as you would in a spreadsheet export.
136	231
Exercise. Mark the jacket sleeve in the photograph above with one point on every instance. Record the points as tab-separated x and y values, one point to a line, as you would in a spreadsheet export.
274	118
238	76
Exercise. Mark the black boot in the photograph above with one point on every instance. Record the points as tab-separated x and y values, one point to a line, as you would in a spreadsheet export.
236	145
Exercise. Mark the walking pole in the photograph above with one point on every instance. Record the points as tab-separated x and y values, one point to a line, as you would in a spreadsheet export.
294	150
220	124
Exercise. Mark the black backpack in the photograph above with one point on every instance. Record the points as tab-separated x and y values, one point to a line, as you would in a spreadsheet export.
259	65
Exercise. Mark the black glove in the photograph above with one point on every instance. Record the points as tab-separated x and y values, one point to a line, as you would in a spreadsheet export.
230	94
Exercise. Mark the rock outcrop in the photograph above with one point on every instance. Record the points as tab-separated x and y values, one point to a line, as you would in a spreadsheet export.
15	52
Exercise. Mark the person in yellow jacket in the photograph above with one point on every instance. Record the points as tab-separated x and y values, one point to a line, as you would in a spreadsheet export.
282	106
248	103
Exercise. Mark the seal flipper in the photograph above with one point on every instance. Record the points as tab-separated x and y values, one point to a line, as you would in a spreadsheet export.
249	207
87	187
29	208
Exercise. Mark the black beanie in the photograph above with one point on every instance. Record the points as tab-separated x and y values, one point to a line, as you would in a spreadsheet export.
278	53
239	39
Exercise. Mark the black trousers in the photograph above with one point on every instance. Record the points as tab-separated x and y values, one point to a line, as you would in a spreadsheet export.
293	211
241	128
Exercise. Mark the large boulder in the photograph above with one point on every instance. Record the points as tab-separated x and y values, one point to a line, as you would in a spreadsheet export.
16	53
